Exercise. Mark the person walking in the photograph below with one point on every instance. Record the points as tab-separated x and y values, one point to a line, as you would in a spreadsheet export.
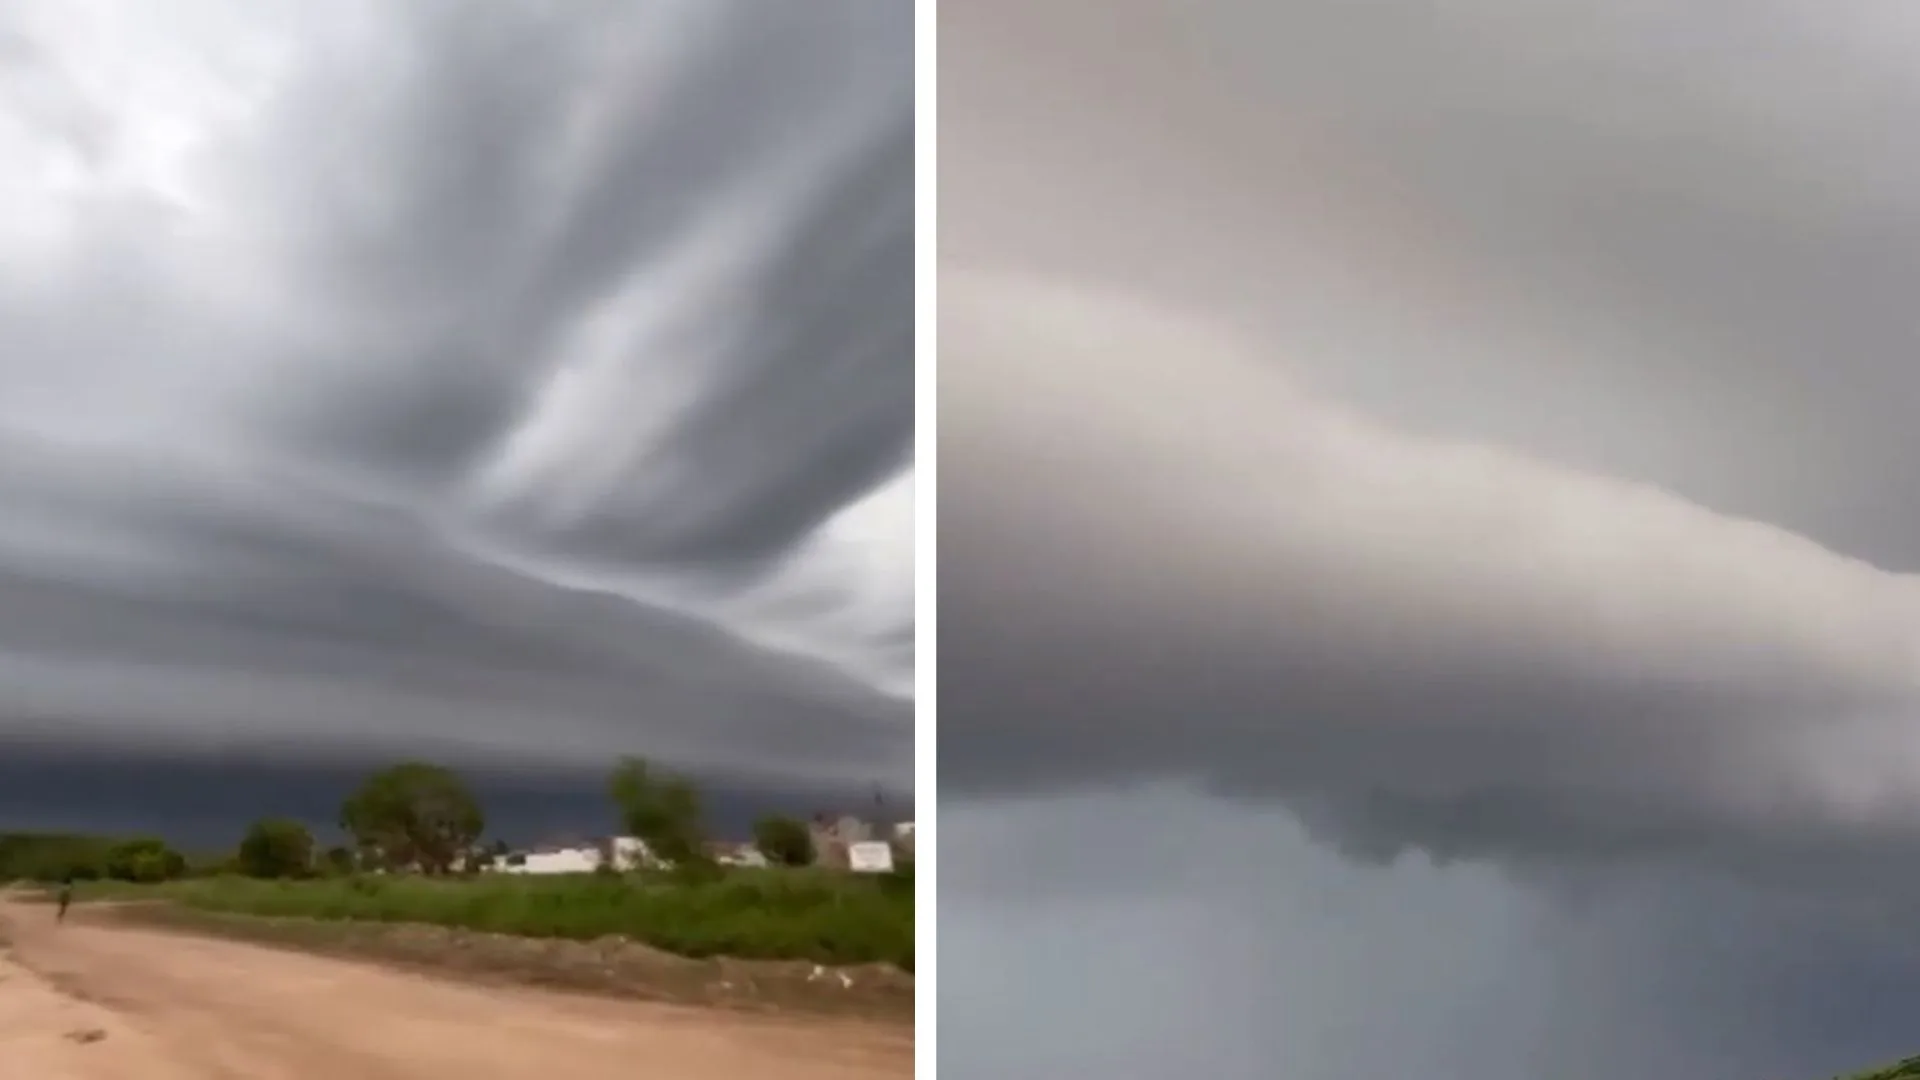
66	897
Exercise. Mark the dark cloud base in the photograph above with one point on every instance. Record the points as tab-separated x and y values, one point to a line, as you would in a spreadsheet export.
207	799
1252	950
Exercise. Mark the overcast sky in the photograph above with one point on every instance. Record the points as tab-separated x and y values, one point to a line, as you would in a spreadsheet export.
1427	546
525	380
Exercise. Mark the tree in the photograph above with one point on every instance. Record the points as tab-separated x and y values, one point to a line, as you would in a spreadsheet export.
483	857
414	814
338	860
784	841
661	809
276	848
145	860
53	856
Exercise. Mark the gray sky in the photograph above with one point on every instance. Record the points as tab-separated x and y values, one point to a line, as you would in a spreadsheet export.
528	381
1375	433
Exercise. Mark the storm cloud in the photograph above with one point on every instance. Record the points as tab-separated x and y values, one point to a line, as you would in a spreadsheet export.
1373	435
1329	607
529	383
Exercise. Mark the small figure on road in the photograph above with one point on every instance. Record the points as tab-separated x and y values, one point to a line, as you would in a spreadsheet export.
66	897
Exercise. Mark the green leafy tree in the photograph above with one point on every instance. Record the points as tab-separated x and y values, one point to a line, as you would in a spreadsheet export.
145	860
784	841
414	814
276	848
663	810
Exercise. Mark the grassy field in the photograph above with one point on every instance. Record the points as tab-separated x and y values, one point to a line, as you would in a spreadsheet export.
818	916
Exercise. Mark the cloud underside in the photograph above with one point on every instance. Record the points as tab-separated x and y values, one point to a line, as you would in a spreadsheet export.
528	382
1161	557
1252	951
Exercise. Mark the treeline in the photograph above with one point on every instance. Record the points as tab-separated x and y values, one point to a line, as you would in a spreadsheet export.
60	856
412	816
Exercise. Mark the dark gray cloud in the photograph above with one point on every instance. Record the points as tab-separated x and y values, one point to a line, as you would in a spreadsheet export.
528	383
202	801
1463	435
1151	933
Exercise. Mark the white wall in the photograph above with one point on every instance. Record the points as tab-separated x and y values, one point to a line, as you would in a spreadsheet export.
629	853
565	861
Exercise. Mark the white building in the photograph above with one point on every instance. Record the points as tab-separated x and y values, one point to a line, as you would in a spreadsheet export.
566	860
742	855
629	853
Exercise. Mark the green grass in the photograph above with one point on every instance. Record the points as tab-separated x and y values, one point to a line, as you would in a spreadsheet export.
823	917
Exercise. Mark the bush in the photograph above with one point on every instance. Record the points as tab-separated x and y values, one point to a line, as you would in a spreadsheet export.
338	861
661	808
145	860
47	857
784	841
276	848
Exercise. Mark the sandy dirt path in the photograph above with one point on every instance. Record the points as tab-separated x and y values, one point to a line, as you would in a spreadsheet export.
94	1002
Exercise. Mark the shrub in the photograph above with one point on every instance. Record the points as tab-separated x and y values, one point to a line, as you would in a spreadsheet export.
276	848
145	860
662	809
784	841
816	915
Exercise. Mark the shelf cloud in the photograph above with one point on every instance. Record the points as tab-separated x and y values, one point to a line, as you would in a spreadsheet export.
1427	584
1186	565
529	383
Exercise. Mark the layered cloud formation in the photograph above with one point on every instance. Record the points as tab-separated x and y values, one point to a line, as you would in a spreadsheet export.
1327	468
1192	568
1426	576
530	381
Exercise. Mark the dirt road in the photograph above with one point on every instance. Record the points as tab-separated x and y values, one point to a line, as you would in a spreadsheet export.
95	1002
